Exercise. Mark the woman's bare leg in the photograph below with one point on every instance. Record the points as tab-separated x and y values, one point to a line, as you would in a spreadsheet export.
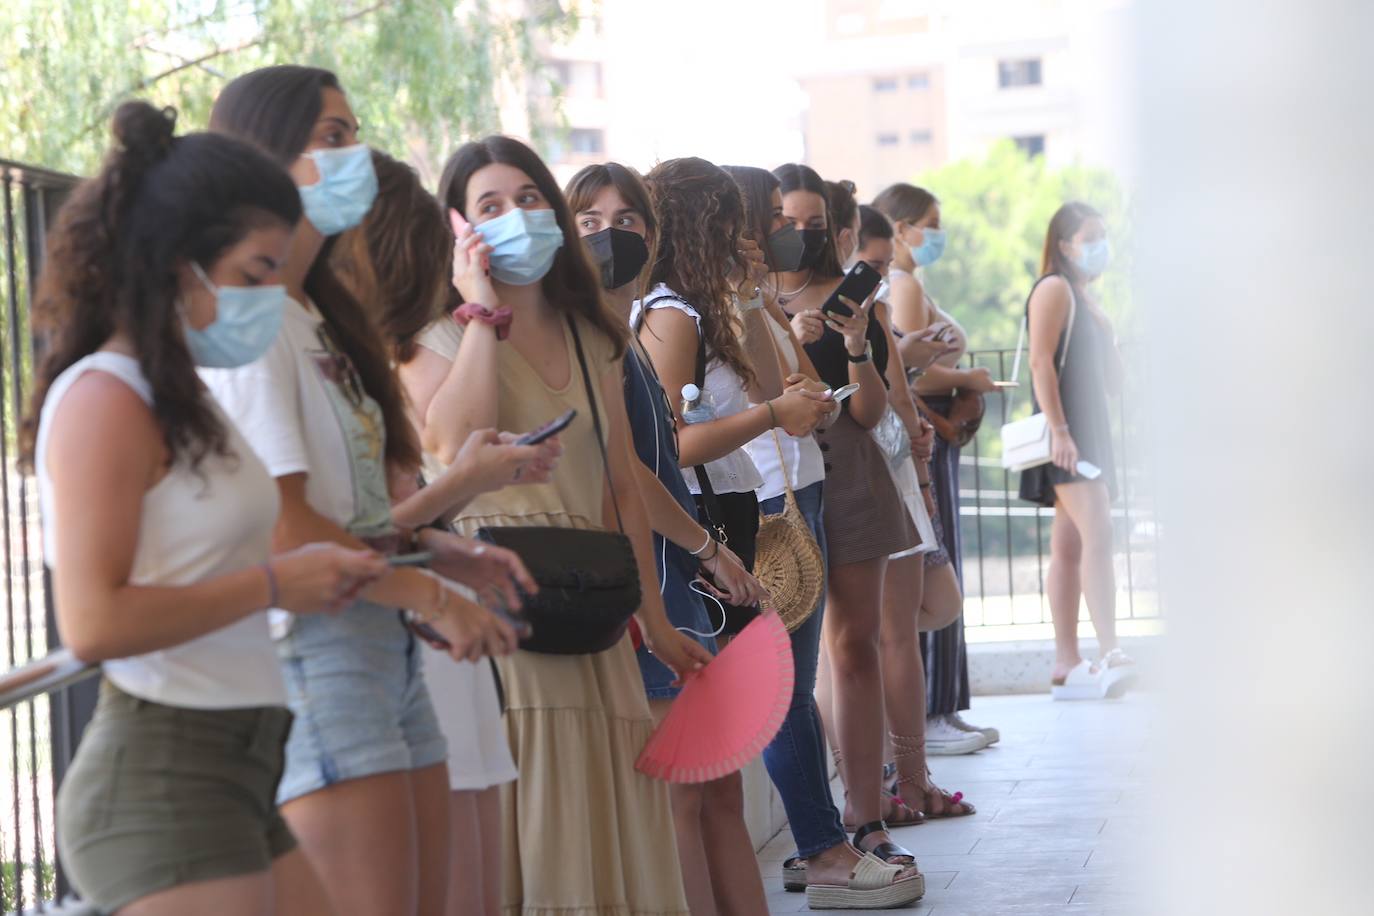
296	888
735	878
239	894
1063	587
852	624
941	600
1088	505
688	800
361	838
429	794
474	848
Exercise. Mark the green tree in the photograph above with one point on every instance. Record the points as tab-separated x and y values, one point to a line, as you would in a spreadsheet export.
997	210
421	74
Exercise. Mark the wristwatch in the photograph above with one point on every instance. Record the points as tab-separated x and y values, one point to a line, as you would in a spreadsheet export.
864	357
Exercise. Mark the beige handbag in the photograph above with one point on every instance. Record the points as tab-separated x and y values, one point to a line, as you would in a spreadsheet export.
787	559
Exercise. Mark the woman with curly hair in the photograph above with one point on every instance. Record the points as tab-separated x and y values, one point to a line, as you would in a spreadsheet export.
158	526
703	279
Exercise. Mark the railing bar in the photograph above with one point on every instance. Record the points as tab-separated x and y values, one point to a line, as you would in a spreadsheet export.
1125	487
978	519
1040	559
1006	514
12	294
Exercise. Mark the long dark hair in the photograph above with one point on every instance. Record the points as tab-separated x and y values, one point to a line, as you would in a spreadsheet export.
1065	223
276	109
756	187
158	202
797	177
397	262
570	285
701	214
628	183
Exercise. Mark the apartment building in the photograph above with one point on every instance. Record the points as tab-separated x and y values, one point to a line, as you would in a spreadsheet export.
902	86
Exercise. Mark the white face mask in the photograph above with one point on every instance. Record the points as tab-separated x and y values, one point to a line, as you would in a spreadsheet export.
247	321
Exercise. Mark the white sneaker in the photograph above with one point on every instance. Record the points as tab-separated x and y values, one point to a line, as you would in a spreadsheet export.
992	734
944	739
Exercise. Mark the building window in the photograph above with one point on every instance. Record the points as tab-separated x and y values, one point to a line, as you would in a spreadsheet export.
1014	73
921	136
1033	145
888	139
587	141
918	81
885	85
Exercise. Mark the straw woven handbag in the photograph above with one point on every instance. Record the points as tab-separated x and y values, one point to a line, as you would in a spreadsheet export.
787	559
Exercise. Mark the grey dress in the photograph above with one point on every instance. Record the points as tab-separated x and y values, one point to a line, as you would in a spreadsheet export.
1083	393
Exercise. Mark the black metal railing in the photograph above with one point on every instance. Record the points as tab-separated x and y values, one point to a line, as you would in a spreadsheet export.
44	719
1006	540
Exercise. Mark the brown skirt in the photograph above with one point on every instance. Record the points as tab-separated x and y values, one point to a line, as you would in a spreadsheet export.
865	516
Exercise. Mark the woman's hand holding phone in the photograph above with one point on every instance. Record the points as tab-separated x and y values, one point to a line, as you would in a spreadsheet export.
471	263
853	328
323	578
471	630
808	325
490	460
490	571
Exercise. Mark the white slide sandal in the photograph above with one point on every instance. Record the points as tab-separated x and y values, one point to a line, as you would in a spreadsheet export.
1084	682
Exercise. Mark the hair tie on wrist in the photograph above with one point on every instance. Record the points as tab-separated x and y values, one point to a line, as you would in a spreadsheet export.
498	318
273	593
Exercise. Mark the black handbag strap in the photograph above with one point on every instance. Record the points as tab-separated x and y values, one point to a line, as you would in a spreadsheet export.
709	501
596	420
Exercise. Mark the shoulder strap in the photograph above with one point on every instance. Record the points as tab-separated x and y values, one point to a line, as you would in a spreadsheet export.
1021	338
708	494
596	420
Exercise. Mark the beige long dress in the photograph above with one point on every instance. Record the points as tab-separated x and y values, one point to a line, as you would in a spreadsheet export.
583	832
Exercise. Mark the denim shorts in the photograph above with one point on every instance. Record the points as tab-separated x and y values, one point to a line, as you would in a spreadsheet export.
159	796
356	687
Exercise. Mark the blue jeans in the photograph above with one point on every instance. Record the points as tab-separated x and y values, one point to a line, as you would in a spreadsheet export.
796	758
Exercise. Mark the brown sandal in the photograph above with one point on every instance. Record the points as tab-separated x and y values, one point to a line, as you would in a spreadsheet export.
904	746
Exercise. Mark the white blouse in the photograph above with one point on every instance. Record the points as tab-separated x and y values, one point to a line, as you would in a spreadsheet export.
725	390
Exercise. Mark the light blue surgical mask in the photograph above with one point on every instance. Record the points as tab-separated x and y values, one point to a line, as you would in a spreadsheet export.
931	247
523	245
1093	257
247	320
345	191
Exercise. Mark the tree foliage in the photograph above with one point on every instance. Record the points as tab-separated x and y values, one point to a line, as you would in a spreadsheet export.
996	210
421	74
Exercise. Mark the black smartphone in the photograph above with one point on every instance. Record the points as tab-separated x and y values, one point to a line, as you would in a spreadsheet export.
551	428
856	286
419	558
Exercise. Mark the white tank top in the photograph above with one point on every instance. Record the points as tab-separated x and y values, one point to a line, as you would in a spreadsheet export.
734	473
194	524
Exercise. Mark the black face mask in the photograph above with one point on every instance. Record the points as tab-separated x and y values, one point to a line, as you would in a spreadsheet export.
619	253
786	248
814	241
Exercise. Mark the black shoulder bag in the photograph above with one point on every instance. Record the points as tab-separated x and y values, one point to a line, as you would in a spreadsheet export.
588	580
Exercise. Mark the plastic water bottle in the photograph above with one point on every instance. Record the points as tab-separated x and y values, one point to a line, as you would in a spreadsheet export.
696	405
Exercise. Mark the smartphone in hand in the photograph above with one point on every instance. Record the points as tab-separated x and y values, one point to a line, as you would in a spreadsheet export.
856	286
839	394
548	430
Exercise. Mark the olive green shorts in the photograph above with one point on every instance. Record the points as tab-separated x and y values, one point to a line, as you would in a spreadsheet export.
159	796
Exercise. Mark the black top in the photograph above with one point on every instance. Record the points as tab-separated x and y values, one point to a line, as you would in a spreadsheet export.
832	361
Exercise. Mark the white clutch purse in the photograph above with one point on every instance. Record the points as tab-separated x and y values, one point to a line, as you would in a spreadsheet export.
1026	443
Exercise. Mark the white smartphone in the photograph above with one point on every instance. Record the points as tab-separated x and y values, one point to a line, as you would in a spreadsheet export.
1089	470
842	393
1007	384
